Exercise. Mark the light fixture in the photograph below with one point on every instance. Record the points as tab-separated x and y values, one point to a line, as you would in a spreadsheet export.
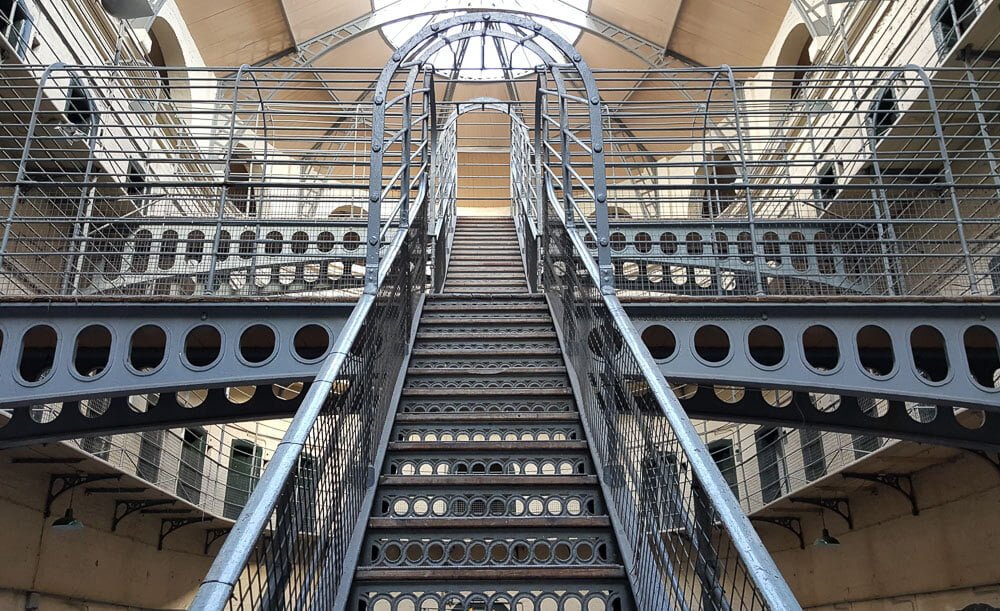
826	540
67	522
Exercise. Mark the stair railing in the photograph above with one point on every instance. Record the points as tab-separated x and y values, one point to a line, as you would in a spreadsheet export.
445	200
297	541
686	541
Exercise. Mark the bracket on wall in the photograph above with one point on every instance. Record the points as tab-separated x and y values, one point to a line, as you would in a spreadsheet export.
840	506
124	508
902	484
64	482
991	457
114	490
45	461
792	525
214	534
172	525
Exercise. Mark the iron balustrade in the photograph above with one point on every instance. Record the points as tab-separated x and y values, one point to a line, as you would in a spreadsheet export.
120	181
295	541
689	544
445	199
826	180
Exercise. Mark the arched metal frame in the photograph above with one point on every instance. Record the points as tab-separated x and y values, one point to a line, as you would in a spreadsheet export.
415	53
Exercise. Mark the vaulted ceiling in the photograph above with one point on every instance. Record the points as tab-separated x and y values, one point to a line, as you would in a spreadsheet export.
709	32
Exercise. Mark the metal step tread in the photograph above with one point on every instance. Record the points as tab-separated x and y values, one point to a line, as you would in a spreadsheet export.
489	523
483	371
487	446
490	573
485	352
491	417
486	320
525	296
494	393
473	335
494	480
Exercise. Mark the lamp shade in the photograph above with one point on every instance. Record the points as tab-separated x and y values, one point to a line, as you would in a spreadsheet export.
67	522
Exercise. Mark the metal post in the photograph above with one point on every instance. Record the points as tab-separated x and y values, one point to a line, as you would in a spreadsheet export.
214	255
751	220
85	201
405	159
949	177
984	132
429	137
23	163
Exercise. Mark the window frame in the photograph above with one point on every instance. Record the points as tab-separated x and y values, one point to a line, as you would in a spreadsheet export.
19	41
947	42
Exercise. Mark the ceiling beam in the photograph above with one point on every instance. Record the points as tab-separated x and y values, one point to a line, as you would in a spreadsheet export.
288	22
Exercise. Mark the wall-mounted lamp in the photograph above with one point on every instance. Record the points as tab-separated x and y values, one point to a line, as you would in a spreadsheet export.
67	522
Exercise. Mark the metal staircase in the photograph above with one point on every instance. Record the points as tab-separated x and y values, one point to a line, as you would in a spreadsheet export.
488	497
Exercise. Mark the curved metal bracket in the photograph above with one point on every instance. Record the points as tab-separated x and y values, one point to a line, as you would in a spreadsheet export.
171	525
839	506
124	508
64	482
899	482
792	525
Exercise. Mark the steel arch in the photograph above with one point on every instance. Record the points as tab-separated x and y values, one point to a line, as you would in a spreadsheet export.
422	45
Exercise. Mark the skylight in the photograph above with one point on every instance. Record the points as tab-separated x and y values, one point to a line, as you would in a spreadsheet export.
482	58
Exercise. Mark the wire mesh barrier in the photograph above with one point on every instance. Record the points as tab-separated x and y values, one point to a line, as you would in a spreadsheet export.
691	546
291	544
445	199
122	181
808	181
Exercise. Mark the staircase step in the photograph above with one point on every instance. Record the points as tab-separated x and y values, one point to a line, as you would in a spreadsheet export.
491	574
485	352
484	320
489	522
498	334
489	417
546	482
447	372
487	392
485	299
512	447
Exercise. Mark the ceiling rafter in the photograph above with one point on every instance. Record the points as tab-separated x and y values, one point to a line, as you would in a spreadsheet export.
308	52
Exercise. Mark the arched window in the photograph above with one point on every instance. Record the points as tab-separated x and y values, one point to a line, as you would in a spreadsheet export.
241	192
794	54
166	57
884	112
720	174
80	108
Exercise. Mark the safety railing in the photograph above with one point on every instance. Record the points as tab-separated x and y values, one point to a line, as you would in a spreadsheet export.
682	532
292	542
214	467
689	544
824	180
445	200
297	539
126	182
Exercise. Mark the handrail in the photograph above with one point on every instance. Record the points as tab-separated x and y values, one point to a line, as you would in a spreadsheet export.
270	501
619	379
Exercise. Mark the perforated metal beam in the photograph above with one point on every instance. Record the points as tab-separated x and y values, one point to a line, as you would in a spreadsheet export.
60	352
936	355
911	372
118	415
